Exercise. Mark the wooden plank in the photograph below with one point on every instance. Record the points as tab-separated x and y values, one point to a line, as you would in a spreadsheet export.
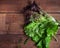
13	41
12	1
3	26
11	7
14	5
15	23
49	5
11	23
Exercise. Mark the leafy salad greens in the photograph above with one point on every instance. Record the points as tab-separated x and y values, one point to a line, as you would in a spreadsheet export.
41	29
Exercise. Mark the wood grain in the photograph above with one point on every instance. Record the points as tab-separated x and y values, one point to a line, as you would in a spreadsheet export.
12	22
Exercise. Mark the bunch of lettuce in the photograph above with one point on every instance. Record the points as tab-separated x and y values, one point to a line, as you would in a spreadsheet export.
41	29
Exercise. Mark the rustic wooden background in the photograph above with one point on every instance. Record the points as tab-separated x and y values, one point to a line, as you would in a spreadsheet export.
11	22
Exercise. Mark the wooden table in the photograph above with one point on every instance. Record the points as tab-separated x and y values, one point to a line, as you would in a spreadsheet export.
12	21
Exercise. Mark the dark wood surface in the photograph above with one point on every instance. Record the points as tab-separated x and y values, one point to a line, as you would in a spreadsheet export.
12	21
